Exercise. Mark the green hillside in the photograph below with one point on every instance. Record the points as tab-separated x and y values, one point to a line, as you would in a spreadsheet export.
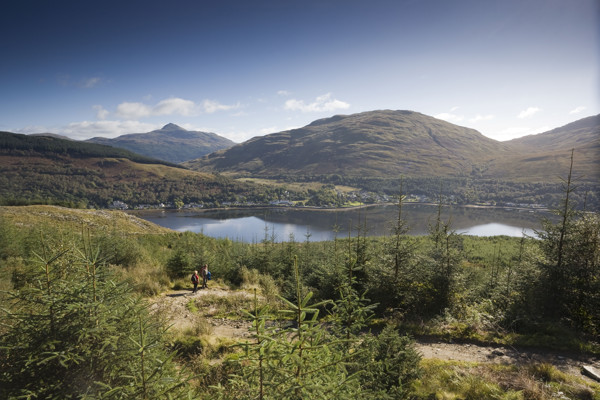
48	170
171	143
69	219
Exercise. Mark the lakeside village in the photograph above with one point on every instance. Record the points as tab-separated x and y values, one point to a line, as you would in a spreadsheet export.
351	199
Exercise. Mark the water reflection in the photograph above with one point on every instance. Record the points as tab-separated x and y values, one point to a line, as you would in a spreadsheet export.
255	225
496	229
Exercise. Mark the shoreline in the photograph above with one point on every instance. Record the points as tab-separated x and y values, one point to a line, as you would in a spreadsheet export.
336	209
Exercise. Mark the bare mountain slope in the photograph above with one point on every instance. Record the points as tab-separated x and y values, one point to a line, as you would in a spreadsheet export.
376	143
386	144
546	155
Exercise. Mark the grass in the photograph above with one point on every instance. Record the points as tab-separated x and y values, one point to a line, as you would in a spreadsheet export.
68	219
191	306
146	279
229	306
464	331
295	186
462	380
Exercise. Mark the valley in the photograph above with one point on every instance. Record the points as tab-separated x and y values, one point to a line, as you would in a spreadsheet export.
437	314
357	159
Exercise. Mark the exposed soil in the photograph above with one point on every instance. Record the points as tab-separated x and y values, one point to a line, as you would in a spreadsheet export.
173	306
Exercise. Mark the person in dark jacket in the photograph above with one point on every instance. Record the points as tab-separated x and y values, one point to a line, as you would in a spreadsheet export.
195	280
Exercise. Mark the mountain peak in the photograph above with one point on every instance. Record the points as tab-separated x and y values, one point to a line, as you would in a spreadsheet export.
172	127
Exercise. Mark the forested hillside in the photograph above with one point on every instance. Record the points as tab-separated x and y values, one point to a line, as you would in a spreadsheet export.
47	170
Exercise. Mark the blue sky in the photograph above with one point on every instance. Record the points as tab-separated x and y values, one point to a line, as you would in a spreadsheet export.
244	68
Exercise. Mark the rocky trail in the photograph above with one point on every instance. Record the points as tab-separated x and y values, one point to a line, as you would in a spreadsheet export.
173	305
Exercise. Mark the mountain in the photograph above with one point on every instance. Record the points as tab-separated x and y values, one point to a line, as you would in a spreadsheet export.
547	155
49	170
578	135
376	143
384	144
171	143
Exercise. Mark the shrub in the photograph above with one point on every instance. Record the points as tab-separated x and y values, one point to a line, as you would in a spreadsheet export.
387	365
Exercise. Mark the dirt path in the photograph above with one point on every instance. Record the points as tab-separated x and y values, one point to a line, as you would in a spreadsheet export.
173	306
564	361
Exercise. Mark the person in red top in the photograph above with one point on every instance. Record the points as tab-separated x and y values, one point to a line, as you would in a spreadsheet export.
195	279
204	274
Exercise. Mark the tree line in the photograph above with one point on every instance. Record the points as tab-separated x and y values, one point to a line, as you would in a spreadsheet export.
465	190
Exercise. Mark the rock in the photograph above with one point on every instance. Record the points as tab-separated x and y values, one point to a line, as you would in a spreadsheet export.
498	353
592	372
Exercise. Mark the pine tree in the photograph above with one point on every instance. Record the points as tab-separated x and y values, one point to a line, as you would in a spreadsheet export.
300	361
445	257
572	263
73	331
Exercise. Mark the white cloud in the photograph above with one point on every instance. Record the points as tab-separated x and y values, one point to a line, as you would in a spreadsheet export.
131	111
529	112
283	93
239	136
86	129
211	106
170	106
449	117
577	110
514	132
454	108
101	113
479	117
175	106
321	103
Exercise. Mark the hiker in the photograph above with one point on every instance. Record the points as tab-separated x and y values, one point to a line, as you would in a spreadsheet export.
204	273
195	279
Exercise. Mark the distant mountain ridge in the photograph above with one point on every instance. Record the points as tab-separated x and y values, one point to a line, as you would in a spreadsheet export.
547	155
577	134
388	143
170	143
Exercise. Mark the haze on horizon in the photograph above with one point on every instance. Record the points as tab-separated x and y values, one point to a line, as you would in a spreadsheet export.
241	69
